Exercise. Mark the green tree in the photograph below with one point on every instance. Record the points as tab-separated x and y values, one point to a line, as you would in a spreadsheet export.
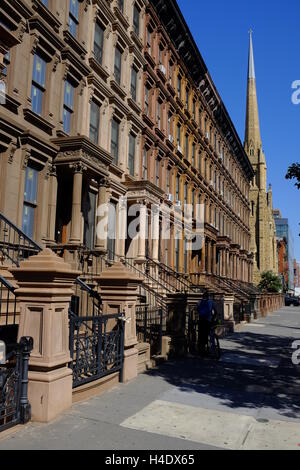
294	174
270	282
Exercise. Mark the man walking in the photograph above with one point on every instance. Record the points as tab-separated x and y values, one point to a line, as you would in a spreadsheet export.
206	310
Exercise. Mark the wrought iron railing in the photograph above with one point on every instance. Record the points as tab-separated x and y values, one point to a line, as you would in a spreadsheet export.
15	245
14	404
96	346
8	303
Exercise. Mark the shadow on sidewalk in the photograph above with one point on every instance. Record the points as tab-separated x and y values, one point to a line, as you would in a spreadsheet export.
255	371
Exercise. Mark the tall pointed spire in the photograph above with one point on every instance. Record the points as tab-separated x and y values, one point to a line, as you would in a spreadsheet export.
251	69
252	132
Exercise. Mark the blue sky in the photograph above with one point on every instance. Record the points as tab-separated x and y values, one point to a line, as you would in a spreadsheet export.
220	28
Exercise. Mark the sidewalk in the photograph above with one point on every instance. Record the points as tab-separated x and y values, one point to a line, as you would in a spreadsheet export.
249	400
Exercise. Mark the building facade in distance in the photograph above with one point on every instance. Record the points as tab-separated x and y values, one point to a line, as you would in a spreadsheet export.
263	232
283	232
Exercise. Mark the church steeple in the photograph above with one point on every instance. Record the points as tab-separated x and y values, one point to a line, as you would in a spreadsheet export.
253	145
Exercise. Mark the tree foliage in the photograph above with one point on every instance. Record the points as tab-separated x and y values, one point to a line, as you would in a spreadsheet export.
294	174
270	282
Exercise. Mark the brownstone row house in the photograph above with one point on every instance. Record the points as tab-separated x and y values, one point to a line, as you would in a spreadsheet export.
110	101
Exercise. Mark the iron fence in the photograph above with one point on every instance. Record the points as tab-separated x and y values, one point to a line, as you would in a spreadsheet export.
96	346
14	405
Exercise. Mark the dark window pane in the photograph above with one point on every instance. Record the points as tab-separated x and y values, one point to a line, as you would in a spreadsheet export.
94	122
98	43
118	64
74	9
28	220
136	20
36	100
39	71
115	140
133	83
131	155
31	179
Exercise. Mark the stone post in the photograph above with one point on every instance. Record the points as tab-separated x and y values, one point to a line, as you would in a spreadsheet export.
76	221
44	292
118	288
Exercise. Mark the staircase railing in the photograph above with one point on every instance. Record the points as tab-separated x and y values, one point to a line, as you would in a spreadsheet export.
15	245
176	281
8	303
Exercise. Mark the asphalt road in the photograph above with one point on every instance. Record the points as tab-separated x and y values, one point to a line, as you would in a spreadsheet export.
249	400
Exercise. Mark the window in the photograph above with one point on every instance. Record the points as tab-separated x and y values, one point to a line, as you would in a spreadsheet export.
168	181
133	83
121	5
94	122
38	84
136	20
158	114
149	41
118	65
46	3
98	43
179	85
185	194
194	110
160	55
193	203
30	200
169	123
114	144
193	154
187	97
171	71
131	154
187	146
74	17
68	106
6	62
199	160
157	171
147	101
178	134
177	188
145	165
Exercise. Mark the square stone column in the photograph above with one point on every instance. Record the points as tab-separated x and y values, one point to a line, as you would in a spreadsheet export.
119	291
44	292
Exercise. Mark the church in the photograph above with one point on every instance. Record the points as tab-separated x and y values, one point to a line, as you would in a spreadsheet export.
262	225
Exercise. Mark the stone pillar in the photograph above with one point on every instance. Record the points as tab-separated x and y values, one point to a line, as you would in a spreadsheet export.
142	233
76	222
44	292
155	234
101	217
118	288
52	204
208	256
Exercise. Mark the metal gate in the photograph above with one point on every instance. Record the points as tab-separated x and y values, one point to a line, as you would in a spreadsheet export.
151	326
14	405
96	347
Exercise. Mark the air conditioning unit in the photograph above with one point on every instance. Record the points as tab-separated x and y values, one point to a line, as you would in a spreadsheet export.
171	138
211	183
179	148
170	197
162	68
207	135
178	203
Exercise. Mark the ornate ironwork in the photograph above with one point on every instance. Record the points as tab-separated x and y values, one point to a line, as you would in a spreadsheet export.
96	346
14	405
15	245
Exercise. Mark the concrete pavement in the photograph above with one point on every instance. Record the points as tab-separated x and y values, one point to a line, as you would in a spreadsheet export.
249	400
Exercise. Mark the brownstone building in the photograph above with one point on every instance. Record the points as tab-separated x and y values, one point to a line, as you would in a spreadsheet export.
106	100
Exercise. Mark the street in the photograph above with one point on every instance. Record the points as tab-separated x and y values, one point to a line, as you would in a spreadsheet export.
249	400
